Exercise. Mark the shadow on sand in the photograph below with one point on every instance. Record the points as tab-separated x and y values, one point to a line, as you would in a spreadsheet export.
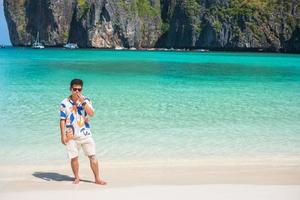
53	176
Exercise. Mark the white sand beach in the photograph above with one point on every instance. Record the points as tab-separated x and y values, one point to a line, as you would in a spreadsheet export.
211	192
209	179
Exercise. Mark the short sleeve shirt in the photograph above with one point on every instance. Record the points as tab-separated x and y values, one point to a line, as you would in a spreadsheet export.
76	117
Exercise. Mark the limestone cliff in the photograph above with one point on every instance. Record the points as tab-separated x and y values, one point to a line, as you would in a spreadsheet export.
272	25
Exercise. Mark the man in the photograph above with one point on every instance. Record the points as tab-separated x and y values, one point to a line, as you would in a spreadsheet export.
75	129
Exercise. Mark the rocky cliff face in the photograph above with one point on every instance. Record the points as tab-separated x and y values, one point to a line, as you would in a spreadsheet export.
272	25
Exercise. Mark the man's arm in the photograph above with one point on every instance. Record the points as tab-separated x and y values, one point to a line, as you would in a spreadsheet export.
88	109
62	131
86	105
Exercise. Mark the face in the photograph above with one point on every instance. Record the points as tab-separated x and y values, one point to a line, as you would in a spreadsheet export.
76	89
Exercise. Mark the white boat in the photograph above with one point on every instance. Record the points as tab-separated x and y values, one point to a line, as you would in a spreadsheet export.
37	44
71	46
119	48
202	50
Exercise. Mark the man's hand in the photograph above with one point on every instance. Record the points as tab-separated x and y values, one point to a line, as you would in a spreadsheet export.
64	140
80	97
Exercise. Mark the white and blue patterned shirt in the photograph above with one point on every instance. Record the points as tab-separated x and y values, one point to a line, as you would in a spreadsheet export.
75	117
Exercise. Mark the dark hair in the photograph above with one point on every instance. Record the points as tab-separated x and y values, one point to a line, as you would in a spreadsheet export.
76	82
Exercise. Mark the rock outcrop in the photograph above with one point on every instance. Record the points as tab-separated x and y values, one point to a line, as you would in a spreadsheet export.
272	25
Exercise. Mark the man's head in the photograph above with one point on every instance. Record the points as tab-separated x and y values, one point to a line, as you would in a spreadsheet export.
76	86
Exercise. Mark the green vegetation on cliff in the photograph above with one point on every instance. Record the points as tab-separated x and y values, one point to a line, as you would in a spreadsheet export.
241	14
145	9
142	7
193	11
165	27
192	7
65	36
83	8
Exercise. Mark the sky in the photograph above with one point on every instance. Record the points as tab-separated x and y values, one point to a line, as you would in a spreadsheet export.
4	37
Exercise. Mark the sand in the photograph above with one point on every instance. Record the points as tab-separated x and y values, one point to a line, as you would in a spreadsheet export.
210	179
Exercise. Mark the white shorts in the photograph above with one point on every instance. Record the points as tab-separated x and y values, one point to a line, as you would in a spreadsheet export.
86	143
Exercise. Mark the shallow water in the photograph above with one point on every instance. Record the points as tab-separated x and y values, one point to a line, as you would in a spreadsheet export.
152	105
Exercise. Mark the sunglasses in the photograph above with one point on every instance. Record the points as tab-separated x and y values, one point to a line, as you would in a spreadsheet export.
79	89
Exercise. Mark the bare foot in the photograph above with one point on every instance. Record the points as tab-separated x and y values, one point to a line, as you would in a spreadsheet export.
76	181
100	182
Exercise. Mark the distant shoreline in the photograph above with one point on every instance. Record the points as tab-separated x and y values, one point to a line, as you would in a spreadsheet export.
200	50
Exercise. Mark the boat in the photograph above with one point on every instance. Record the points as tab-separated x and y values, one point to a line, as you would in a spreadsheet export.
151	49
202	50
119	48
163	49
71	46
37	44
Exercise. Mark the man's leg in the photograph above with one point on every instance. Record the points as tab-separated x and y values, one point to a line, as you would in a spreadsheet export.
75	168
95	167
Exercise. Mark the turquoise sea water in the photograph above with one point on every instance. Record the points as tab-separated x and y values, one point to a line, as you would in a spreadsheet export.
152	105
